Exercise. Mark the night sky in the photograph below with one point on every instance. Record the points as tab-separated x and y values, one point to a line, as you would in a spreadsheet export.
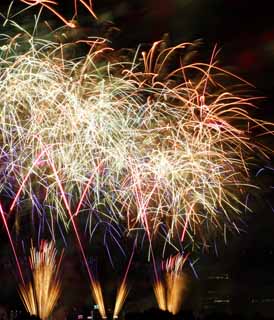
244	31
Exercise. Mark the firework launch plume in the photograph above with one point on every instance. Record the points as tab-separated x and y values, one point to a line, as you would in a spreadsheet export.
176	286
160	294
122	294
27	295
169	290
123	289
97	295
41	294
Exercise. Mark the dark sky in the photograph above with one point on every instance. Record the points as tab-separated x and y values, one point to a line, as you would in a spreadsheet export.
244	30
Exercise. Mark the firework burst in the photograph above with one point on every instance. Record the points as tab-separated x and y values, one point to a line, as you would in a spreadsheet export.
139	143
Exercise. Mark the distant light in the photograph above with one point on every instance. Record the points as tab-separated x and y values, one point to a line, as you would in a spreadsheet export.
264	300
219	277
221	301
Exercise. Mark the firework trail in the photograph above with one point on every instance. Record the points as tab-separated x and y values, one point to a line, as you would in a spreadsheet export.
139	142
48	5
41	294
3	216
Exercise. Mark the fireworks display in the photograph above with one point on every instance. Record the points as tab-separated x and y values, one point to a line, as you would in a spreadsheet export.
149	142
41	294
